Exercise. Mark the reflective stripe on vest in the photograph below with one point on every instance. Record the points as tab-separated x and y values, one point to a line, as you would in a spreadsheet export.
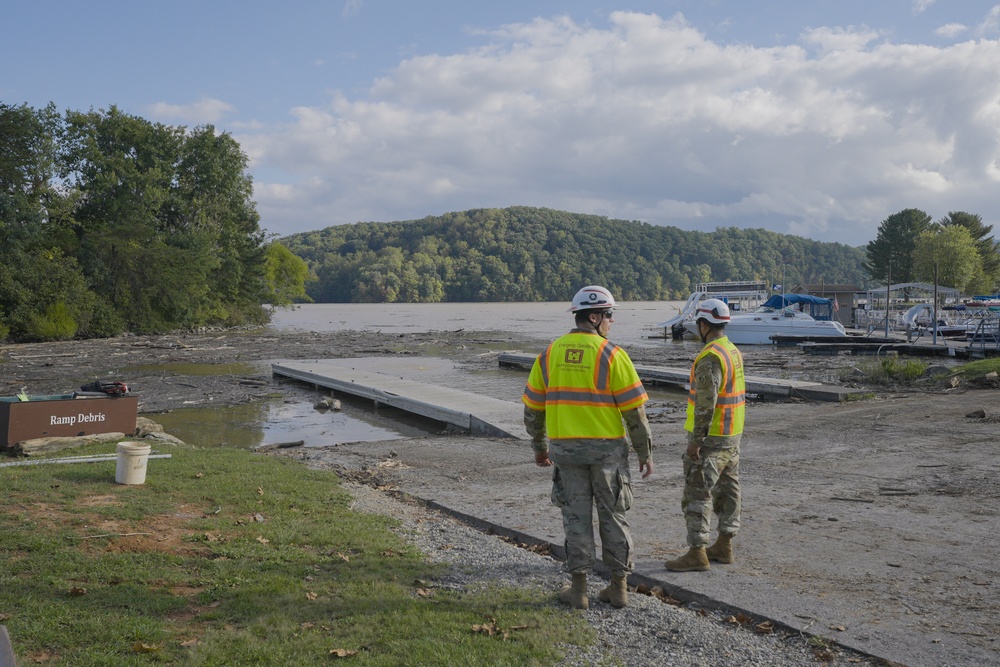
573	381
730	404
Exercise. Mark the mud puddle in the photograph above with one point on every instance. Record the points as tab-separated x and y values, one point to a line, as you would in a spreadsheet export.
290	416
286	420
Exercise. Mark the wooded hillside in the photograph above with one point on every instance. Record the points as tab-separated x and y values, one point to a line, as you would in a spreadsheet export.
536	254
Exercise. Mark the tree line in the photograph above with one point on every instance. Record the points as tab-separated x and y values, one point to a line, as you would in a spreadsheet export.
537	254
957	249
111	223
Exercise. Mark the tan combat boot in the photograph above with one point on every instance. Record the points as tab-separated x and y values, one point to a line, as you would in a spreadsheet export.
575	595
722	550
616	592
694	560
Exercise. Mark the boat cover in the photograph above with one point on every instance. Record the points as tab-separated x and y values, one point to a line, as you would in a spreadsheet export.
782	300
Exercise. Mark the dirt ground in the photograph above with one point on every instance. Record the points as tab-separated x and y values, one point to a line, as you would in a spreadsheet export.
873	522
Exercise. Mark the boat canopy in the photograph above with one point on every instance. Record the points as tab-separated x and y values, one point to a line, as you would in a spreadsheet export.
818	307
782	300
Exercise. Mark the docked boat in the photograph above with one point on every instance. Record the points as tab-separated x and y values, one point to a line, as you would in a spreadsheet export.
782	315
951	322
985	301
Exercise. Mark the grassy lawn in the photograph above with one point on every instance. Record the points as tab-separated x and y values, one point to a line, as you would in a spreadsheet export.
226	557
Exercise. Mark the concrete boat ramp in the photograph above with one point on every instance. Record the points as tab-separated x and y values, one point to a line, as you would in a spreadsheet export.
379	379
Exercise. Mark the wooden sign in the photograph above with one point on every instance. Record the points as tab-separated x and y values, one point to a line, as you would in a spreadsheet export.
49	417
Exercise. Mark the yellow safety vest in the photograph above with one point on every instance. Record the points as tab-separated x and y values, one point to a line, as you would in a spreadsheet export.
583	382
730	405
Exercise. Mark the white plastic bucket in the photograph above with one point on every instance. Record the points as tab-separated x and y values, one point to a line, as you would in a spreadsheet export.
131	465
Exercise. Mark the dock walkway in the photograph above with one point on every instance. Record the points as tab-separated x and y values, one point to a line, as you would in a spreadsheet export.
762	386
371	378
475	413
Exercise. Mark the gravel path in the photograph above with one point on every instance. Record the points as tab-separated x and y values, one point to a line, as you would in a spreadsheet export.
647	632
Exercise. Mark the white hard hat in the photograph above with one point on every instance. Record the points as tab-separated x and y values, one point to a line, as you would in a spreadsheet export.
712	310
591	297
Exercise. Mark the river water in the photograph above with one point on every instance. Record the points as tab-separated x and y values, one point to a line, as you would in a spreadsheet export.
634	322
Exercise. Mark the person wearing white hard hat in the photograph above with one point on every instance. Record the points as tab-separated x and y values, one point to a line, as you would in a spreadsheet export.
584	395
715	412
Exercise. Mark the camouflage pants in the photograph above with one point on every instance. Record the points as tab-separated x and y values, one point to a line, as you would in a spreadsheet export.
711	484
576	489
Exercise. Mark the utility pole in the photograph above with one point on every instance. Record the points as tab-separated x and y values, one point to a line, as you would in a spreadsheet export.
888	292
934	306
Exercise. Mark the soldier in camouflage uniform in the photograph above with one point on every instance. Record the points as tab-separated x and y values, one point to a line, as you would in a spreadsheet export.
578	393
712	460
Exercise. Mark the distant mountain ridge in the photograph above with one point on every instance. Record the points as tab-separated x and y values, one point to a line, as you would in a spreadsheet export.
523	253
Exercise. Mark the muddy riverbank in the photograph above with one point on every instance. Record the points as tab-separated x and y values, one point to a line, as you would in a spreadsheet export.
871	522
233	366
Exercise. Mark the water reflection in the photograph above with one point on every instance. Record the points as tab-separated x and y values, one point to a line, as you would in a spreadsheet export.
291	419
218	426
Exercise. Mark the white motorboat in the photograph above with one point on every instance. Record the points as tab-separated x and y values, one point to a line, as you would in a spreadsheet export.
781	315
920	318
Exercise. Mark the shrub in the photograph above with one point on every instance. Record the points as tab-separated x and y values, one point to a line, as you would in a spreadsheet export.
892	370
55	324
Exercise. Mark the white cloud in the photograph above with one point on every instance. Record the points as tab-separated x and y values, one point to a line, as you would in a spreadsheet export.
352	7
840	39
205	110
951	30
920	5
990	24
648	119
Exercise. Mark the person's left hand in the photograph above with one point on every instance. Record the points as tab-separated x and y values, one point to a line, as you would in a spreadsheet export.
694	451
646	465
542	459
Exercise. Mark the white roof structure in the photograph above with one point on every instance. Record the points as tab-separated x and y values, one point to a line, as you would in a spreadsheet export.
926	287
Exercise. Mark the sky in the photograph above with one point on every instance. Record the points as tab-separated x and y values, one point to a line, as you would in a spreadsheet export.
818	118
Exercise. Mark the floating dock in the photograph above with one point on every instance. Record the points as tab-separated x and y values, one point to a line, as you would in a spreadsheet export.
477	414
761	386
371	378
956	349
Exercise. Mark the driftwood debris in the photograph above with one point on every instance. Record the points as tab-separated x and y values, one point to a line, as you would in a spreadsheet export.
18	357
280	445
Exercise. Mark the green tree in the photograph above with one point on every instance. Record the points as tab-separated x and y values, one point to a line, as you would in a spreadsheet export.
286	276
32	287
123	167
952	250
43	293
894	245
985	245
213	206
27	158
150	227
168	234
